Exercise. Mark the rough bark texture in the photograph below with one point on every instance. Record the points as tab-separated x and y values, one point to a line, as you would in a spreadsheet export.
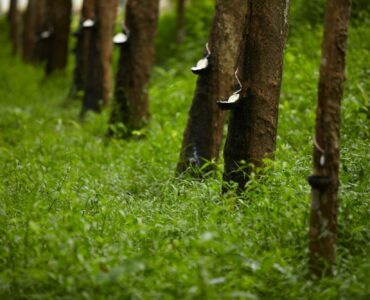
14	23
81	50
135	65
324	205
253	124
36	20
98	66
204	131
60	16
180	21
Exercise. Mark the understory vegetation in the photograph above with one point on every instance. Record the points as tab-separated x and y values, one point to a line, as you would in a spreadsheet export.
86	217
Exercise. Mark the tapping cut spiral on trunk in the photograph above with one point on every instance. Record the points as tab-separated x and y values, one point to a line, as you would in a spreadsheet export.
234	99
318	147
202	64
122	37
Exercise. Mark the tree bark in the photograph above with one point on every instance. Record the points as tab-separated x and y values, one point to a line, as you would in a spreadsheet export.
135	64
253	124
60	16
99	73
28	27
180	21
45	24
14	23
325	181
204	131
81	50
36	20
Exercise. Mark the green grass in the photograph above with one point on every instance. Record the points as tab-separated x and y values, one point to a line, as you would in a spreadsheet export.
86	218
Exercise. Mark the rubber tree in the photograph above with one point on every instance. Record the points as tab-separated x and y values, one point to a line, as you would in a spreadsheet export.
204	131
60	19
325	180
131	101
45	31
14	19
180	21
99	64
29	31
81	50
253	123
36	21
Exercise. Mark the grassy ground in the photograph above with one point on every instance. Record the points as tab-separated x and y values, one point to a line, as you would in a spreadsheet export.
84	218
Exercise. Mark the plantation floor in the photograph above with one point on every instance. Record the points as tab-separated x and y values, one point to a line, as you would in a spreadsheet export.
82	217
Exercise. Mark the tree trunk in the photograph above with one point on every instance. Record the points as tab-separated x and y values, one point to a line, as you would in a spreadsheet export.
135	64
325	181
60	15
98	66
45	26
180	21
36	21
81	50
204	131
29	23
253	124
14	23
